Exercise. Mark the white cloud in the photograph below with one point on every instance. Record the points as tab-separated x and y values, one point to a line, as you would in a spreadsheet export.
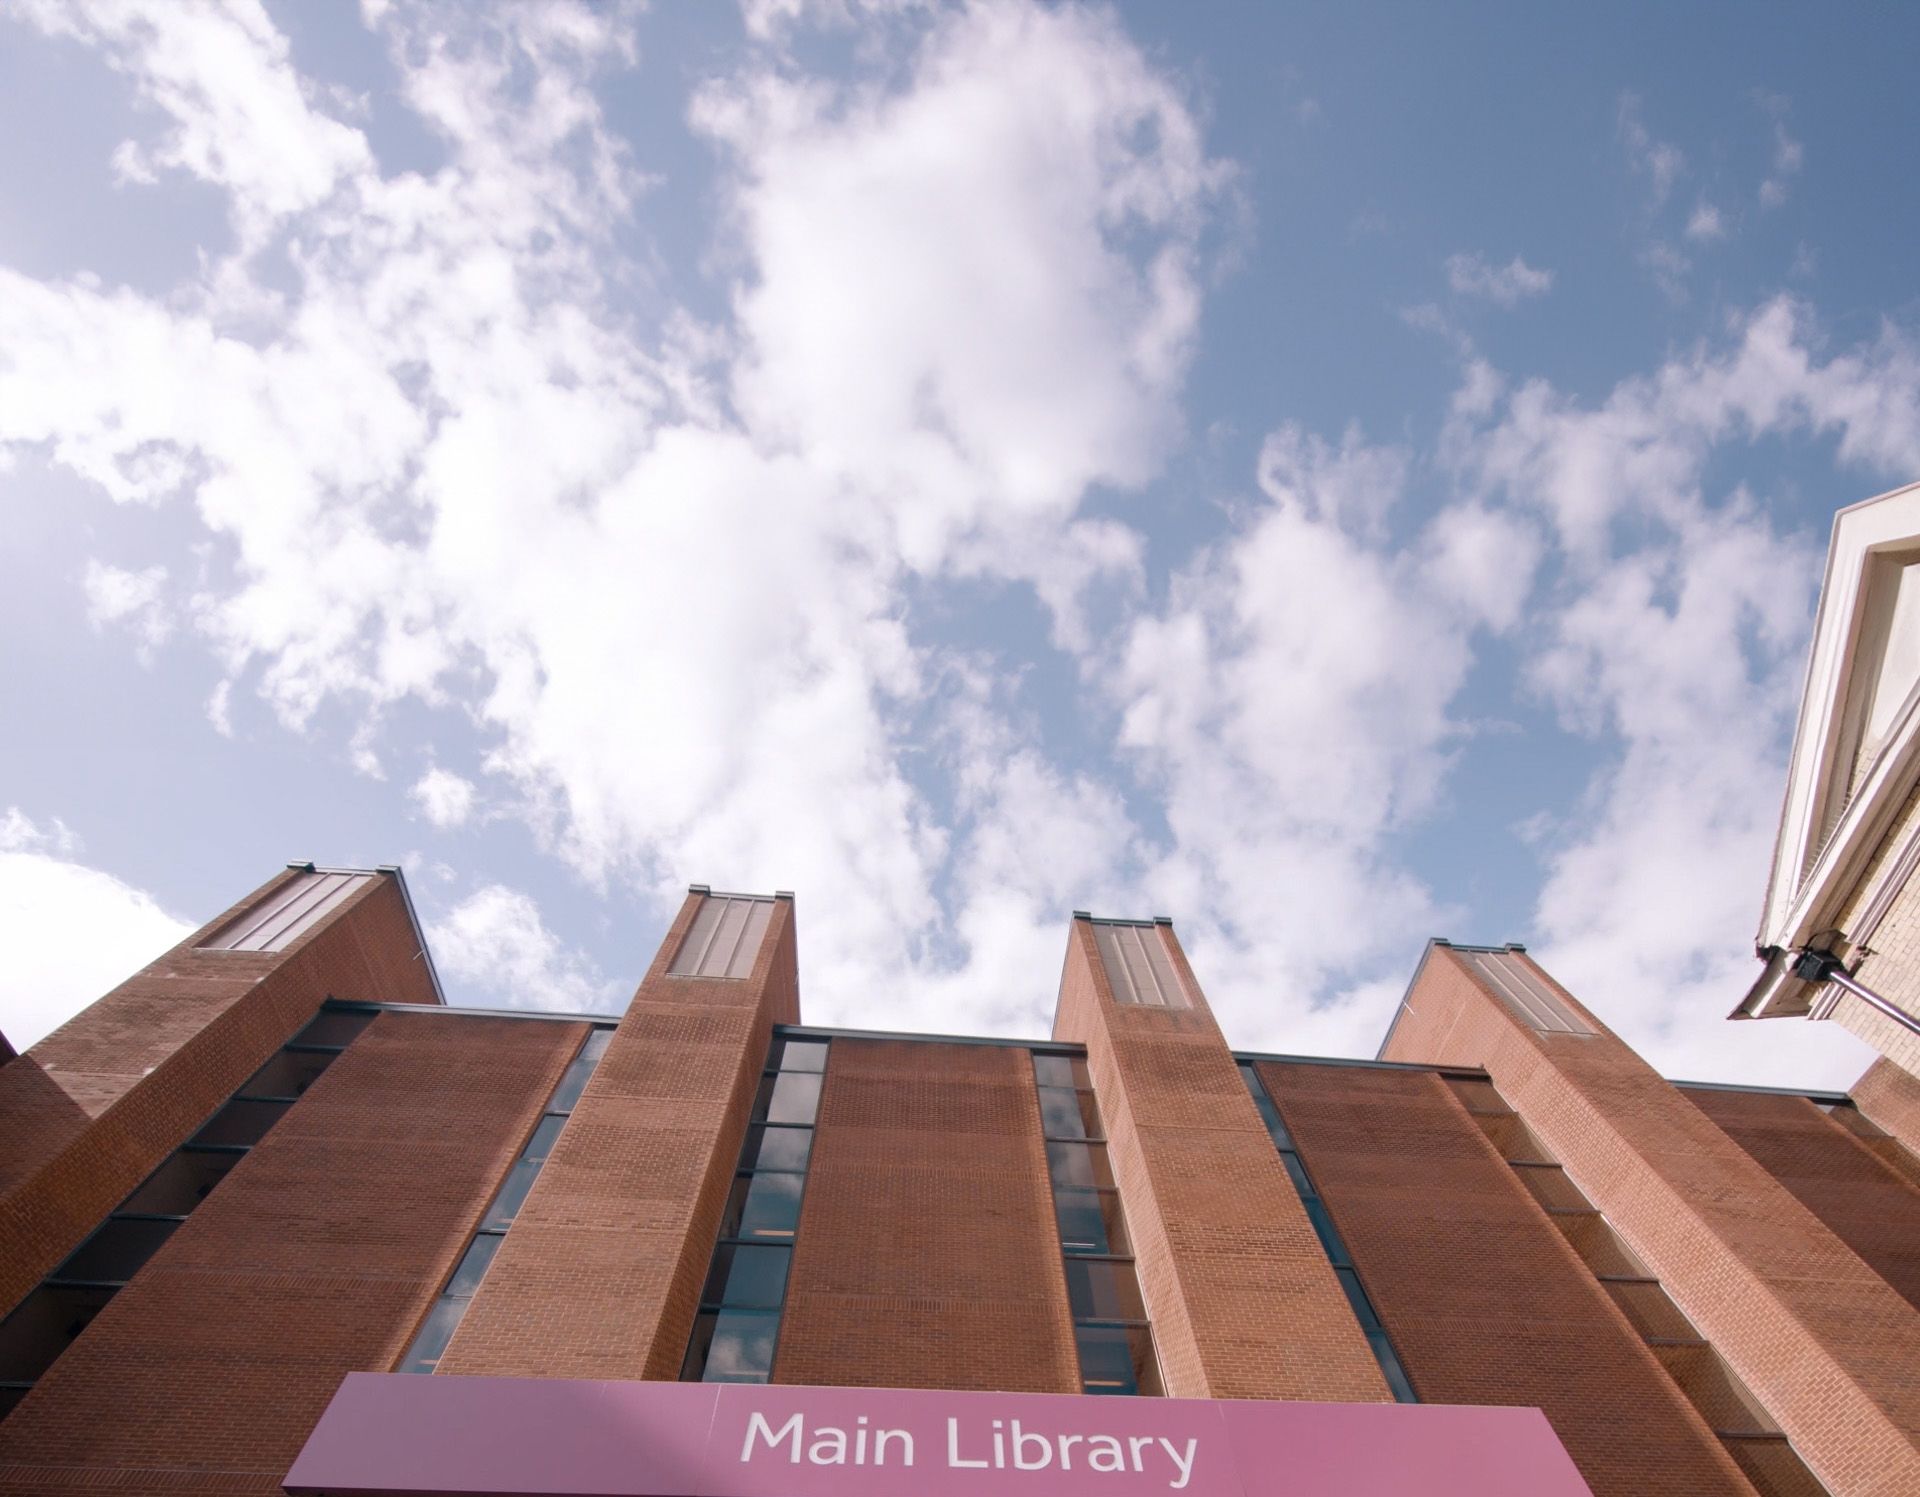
1659	161
496	943
445	798
74	932
1506	285
1788	156
135	599
1706	223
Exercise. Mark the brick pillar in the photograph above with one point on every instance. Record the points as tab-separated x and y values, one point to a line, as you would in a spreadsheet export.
601	1274
1890	1098
1243	1301
88	1112
1817	1336
927	1255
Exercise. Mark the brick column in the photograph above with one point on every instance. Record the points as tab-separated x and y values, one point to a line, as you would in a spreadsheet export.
89	1111
1243	1301
1817	1336
1889	1096
601	1274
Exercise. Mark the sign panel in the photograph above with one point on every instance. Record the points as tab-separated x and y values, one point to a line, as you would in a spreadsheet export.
385	1435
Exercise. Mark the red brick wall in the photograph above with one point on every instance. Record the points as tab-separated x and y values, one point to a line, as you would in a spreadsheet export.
1817	1335
601	1274
927	1255
1890	1098
95	1106
1243	1302
1831	1172
315	1257
1484	1299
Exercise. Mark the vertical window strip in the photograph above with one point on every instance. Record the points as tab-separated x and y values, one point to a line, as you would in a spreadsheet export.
436	1330
736	1329
1139	966
54	1315
1112	1335
1331	1240
725	937
300	904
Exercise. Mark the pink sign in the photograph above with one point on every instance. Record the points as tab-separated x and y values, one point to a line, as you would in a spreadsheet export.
386	1435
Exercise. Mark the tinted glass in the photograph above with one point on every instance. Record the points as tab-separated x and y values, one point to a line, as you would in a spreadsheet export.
577	1075
1396	1375
1329	1238
513	1195
798	1055
545	1136
473	1267
115	1252
776	1148
1297	1172
1079	1166
9	1397
1090	1222
241	1121
1068	1114
44	1326
1357	1297
181	1183
288	1074
1117	1359
763	1205
755	1277
1099	1290
1053	1070
733	1346
333	1027
435	1332
790	1097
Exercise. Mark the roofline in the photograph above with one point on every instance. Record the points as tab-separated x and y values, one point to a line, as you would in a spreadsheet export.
399	876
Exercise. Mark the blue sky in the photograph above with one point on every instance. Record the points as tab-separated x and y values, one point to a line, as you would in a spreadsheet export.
1331	475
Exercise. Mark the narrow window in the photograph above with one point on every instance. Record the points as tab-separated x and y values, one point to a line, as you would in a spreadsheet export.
724	939
1110	1329
1139	966
1529	999
288	913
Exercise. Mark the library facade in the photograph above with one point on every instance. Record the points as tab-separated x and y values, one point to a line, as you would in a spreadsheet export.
275	1218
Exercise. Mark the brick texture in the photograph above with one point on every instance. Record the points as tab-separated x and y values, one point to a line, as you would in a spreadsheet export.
927	1254
601	1274
1890	1097
97	1104
1485	1301
1819	1337
315	1257
1243	1301
1866	1203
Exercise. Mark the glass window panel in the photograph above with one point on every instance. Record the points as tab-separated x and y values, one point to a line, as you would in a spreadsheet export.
1389	1361
1079	1166
577	1075
334	1027
435	1332
43	1326
751	1276
1090	1222
1102	1290
116	1251
686	961
1068	1114
1117	1360
1329	1238
793	1097
241	1121
776	1148
732	1346
798	1055
1119	979
763	1205
1357	1297
1297	1172
513	1195
288	1074
10	1398
545	1135
726	939
473	1266
182	1182
1053	1070
747	951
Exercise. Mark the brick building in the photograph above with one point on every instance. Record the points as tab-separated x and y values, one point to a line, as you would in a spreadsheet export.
273	1217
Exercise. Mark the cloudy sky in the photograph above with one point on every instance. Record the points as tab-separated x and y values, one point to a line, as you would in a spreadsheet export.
1334	477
